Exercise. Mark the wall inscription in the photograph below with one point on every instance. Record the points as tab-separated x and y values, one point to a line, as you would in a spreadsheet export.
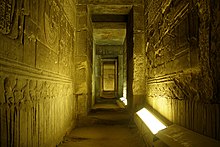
51	24
6	15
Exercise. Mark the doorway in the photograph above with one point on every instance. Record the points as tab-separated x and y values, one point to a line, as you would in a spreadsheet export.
109	78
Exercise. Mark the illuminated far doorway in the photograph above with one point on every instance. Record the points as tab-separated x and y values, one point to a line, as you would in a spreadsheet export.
109	78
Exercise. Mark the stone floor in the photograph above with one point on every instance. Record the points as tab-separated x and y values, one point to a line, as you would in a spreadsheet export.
106	126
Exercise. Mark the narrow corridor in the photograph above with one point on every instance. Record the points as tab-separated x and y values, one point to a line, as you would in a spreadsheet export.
106	126
66	64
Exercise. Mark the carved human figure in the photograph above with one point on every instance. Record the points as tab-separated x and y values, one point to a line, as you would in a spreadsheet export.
29	107
9	84
18	100
17	92
34	111
39	115
32	90
2	98
23	114
38	90
8	87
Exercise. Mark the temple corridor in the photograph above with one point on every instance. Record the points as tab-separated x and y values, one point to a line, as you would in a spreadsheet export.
107	125
121	73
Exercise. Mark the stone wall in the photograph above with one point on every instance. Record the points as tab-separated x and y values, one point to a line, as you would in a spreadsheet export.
83	60
182	62
110	2
37	104
130	66
135	57
124	94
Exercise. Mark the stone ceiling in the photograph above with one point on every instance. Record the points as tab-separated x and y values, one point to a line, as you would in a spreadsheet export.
108	33
110	9
109	23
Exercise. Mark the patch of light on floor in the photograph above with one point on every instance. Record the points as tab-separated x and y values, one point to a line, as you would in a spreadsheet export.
124	100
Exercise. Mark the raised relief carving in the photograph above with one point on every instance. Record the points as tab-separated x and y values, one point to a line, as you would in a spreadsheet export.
12	18
30	110
165	5
32	90
65	46
7	9
34	9
9	84
38	90
2	98
18	92
51	24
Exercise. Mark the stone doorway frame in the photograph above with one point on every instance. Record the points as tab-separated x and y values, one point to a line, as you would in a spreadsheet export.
112	93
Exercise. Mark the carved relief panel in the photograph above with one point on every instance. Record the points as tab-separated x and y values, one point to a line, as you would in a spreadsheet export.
11	17
51	24
7	9
65	46
30	103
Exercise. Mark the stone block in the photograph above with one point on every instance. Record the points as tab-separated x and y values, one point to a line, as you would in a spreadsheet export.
81	9
70	11
81	74
112	2
82	108
82	22
138	17
138	2
81	47
11	49
29	50
46	59
139	45
82	1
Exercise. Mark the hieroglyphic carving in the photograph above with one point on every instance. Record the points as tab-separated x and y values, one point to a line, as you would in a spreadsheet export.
51	24
7	8
12	18
65	46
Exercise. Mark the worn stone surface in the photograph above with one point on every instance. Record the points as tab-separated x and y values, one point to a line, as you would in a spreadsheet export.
137	58
110	9
107	125
168	58
182	62
36	66
109	36
83	60
30	109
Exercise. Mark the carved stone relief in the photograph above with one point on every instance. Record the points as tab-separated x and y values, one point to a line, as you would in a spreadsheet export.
30	104
7	9
12	18
65	46
51	24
